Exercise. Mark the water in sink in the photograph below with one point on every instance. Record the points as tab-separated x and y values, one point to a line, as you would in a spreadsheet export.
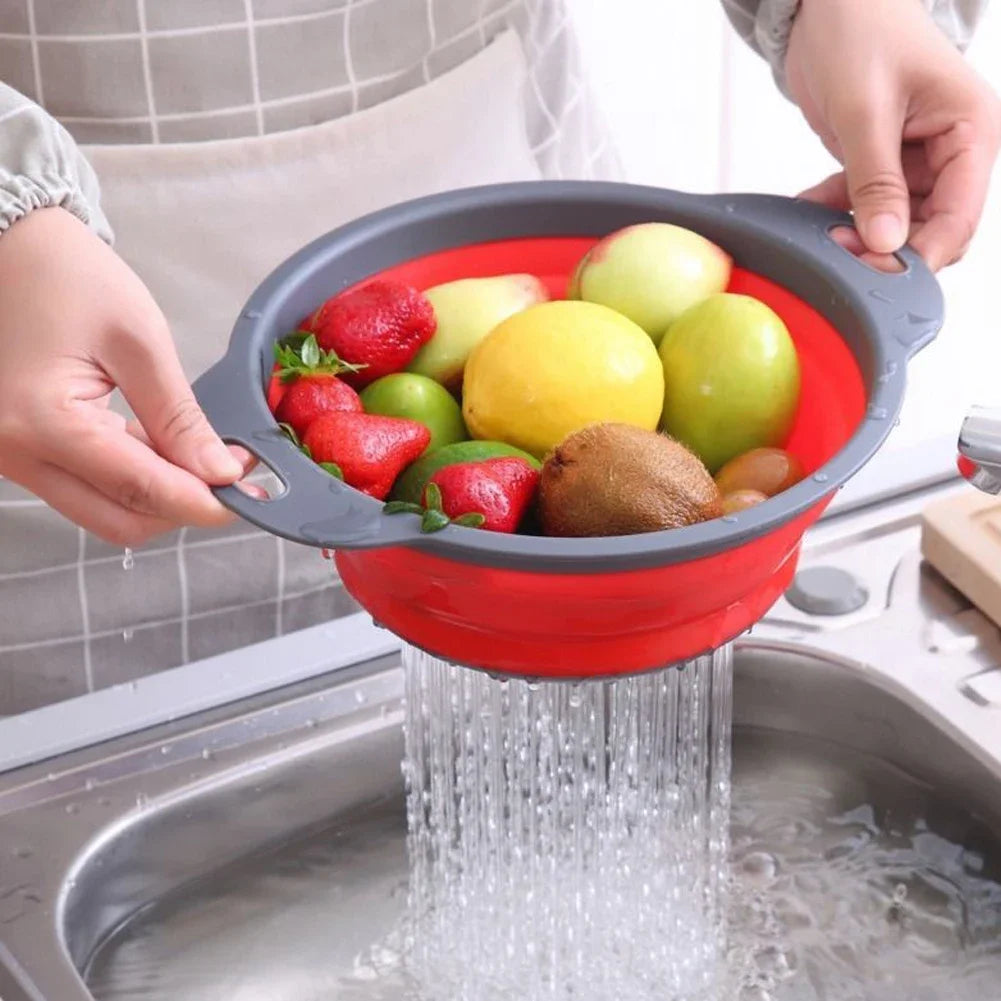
852	882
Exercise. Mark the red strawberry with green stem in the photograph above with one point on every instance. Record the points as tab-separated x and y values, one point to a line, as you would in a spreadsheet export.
494	494
369	450
380	325
309	377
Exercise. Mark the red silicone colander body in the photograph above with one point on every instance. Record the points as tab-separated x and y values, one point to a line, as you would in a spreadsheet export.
551	624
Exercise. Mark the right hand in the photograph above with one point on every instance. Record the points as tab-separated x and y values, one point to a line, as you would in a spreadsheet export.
75	322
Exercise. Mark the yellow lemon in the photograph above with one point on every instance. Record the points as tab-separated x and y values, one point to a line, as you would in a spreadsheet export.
554	368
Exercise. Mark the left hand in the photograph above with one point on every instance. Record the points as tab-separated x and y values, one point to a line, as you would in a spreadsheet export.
916	129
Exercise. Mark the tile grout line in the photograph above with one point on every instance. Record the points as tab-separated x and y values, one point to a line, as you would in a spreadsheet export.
171	621
182	573
152	551
432	32
147	73
255	76
35	59
279	613
349	64
81	583
481	22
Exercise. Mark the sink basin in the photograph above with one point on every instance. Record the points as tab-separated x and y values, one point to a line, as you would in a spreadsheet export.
258	851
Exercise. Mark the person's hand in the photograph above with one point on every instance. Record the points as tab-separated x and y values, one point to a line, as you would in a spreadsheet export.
916	129
75	322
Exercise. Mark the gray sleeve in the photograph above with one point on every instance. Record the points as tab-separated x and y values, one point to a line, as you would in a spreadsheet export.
765	25
41	166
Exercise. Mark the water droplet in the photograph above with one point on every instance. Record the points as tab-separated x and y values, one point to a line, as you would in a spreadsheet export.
51	777
90	784
360	697
72	809
755	992
899	893
875	413
311	723
134	686
760	867
127	635
165	749
820	477
22	853
128	560
252	314
104	801
730	519
206	754
730	207
888	372
141	800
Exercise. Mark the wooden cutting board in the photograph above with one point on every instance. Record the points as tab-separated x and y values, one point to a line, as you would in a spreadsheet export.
961	539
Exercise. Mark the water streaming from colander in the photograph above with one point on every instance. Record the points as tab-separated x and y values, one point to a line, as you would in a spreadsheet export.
568	840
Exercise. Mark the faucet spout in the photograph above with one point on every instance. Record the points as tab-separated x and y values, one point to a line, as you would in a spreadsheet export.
980	449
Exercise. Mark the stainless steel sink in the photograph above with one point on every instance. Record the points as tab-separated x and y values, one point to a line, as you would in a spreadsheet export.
179	830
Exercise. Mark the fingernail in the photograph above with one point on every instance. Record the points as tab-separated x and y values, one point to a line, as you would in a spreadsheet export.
884	233
219	463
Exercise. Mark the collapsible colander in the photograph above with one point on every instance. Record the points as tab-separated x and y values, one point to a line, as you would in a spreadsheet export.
576	608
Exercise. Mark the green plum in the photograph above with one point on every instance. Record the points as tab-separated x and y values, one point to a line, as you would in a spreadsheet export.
651	273
466	311
731	376
418	398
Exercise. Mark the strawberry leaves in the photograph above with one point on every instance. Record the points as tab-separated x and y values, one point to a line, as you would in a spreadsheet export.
433	518
330	467
300	354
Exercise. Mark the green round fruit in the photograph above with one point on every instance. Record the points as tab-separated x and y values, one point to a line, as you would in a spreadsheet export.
417	398
731	378
411	483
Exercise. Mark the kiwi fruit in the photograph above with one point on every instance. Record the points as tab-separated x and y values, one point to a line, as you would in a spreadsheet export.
615	479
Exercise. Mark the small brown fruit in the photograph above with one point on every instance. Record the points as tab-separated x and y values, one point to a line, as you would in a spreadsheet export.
767	470
615	479
741	500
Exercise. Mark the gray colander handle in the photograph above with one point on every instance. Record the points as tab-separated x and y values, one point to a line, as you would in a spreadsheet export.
907	307
315	507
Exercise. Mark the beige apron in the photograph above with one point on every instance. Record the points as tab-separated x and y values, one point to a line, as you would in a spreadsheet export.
203	224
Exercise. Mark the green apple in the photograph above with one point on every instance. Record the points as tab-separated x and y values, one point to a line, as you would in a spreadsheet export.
651	273
467	310
410	486
731	378
418	398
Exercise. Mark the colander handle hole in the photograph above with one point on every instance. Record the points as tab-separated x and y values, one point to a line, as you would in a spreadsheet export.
848	239
263	483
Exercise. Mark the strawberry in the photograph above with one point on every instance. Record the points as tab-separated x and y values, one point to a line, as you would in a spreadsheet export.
380	325
276	390
369	450
305	384
493	494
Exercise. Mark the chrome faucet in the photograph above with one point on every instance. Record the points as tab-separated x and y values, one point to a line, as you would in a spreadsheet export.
980	449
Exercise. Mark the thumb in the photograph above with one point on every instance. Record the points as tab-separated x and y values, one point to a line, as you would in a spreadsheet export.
145	367
877	190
